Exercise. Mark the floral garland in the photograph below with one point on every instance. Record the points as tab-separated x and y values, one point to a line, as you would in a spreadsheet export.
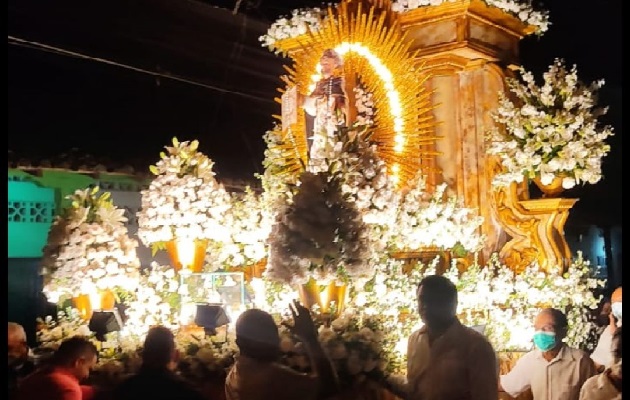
435	220
89	248
303	20
156	301
550	130
364	104
521	9
249	223
184	201
366	183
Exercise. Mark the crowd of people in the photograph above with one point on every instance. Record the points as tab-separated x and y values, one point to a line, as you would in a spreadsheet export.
446	361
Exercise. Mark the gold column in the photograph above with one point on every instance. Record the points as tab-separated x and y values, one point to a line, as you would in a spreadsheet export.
467	48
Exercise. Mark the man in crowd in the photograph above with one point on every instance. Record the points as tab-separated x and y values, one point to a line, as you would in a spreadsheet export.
156	379
607	385
445	359
19	364
257	375
553	370
60	380
601	355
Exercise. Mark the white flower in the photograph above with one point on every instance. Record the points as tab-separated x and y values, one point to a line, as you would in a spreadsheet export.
554	133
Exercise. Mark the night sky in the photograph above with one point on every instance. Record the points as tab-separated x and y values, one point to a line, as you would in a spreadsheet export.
58	102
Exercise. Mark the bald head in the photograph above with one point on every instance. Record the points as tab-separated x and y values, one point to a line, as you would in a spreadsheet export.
17	343
16	332
616	296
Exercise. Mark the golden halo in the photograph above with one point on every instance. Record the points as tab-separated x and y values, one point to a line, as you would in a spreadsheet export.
374	48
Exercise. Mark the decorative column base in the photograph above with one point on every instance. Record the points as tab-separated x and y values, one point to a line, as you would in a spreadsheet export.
552	213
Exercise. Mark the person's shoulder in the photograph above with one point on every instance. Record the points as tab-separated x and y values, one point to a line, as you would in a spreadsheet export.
477	339
577	354
591	383
415	335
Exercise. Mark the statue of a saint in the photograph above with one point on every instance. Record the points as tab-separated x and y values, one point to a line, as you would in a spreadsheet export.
325	109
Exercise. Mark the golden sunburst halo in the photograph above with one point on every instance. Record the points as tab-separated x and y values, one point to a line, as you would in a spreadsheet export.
375	49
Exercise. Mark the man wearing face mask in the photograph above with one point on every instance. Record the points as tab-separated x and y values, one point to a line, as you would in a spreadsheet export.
607	385
601	355
553	370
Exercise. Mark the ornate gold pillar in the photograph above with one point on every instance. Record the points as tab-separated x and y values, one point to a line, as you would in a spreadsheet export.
466	47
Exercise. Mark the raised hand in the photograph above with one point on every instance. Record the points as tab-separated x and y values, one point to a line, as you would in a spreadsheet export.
303	325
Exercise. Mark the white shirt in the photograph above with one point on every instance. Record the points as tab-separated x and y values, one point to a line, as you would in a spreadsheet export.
599	387
558	379
602	354
459	365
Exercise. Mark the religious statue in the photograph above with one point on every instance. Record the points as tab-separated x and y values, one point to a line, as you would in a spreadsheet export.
325	109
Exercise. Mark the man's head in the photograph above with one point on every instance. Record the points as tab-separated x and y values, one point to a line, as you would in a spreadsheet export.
437	301
551	327
17	343
159	349
330	61
615	301
257	335
603	314
78	355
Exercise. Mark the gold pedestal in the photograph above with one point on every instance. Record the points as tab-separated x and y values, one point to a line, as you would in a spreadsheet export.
548	234
312	293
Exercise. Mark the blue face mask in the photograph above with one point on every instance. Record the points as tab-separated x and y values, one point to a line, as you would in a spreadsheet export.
545	341
616	309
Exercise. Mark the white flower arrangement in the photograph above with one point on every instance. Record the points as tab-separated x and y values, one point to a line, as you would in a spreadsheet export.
51	332
89	248
304	20
155	302
320	234
249	224
351	341
205	357
275	177
550	130
300	22
366	183
435	220
184	201
521	9
364	104
507	303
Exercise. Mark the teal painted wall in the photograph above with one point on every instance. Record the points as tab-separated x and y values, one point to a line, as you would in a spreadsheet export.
31	211
34	200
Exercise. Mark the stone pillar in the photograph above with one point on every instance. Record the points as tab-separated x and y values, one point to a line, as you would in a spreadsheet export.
466	47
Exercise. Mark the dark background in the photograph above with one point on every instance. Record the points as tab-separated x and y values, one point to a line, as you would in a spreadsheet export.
58	102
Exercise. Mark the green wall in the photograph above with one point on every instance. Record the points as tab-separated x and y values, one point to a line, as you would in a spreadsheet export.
34	200
31	211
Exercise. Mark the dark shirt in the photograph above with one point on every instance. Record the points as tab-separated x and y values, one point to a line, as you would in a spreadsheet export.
17	372
156	384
